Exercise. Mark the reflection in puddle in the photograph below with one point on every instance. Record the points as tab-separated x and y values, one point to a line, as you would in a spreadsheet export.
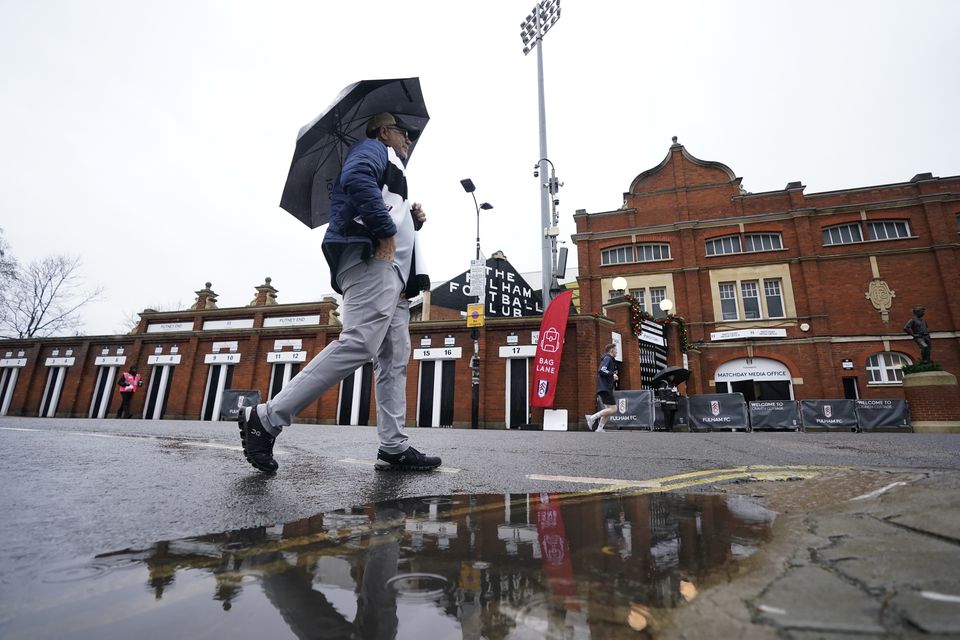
473	566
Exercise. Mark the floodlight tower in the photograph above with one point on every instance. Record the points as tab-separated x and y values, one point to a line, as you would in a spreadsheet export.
544	15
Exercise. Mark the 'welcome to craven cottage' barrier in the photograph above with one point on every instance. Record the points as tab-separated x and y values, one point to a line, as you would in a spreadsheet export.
730	411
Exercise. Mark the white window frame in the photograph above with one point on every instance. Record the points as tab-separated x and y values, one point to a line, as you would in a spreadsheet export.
625	252
731	288
657	295
900	228
778	283
834	235
884	364
750	290
640	295
724	245
652	249
634	253
766	241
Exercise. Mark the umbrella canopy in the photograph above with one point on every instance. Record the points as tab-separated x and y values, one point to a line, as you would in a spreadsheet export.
323	143
672	375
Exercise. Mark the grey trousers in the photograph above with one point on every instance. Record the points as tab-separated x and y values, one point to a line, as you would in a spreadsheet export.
376	322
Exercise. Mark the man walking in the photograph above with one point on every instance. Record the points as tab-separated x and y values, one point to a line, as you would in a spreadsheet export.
370	247
129	382
606	380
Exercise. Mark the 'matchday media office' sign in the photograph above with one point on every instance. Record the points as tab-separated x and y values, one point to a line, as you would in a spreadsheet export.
506	294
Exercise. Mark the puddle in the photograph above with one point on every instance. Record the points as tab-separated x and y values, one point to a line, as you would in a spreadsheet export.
470	566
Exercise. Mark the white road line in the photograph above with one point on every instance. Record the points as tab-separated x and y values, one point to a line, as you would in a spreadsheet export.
604	481
939	597
186	443
774	610
216	445
880	491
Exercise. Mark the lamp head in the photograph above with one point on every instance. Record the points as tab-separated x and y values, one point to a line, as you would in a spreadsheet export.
468	185
619	283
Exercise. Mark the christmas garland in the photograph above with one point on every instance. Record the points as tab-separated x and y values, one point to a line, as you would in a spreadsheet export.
637	314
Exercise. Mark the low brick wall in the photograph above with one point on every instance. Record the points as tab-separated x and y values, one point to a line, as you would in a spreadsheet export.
934	399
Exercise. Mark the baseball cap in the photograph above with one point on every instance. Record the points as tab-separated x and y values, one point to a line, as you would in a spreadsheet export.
389	120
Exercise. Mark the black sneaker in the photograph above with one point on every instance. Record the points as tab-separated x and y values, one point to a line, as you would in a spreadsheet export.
257	443
409	460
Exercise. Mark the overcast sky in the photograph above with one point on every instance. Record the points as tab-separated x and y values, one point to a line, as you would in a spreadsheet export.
153	138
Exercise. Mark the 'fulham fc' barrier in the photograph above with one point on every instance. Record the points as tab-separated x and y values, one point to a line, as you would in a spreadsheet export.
730	412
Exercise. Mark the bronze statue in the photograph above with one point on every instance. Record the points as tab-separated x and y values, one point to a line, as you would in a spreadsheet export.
917	327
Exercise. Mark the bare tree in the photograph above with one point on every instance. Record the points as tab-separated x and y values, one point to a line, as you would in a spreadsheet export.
44	298
8	265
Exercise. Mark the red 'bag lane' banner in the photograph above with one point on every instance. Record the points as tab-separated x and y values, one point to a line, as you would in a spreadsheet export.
546	364
555	551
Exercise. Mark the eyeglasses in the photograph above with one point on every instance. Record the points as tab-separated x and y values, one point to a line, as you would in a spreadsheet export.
406	134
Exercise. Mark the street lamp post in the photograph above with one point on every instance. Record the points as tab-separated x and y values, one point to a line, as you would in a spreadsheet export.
543	16
476	286
552	187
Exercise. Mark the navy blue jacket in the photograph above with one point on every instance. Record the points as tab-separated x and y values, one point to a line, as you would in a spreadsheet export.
358	214
608	366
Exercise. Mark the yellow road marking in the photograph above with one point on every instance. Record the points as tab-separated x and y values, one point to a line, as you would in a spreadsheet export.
694	478
587	480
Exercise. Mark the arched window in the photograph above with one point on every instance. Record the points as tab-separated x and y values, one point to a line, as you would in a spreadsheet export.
648	252
886	367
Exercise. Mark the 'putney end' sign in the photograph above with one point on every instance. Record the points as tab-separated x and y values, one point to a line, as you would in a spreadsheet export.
506	294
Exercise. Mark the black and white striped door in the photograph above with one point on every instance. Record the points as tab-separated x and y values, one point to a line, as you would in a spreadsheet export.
103	392
57	367
219	377
158	390
52	391
517	386
8	381
280	375
353	405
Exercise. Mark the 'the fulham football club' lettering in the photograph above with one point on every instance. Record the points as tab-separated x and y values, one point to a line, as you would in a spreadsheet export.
505	294
546	364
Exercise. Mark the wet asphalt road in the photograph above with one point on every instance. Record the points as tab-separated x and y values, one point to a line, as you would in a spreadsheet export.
75	488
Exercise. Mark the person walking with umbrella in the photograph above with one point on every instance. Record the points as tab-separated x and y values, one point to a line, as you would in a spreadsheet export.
606	380
370	248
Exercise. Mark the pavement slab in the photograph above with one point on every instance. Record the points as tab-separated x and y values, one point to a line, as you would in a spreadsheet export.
931	611
884	557
815	599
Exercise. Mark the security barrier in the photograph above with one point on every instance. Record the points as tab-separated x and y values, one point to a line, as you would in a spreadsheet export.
634	410
775	415
883	415
233	399
828	415
714	412
730	412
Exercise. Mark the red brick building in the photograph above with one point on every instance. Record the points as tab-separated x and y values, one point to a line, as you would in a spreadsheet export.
187	358
783	294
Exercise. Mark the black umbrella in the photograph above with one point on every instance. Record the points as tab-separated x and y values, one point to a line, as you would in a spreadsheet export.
672	375
322	144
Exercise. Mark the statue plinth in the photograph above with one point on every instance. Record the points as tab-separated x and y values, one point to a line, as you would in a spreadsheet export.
934	400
